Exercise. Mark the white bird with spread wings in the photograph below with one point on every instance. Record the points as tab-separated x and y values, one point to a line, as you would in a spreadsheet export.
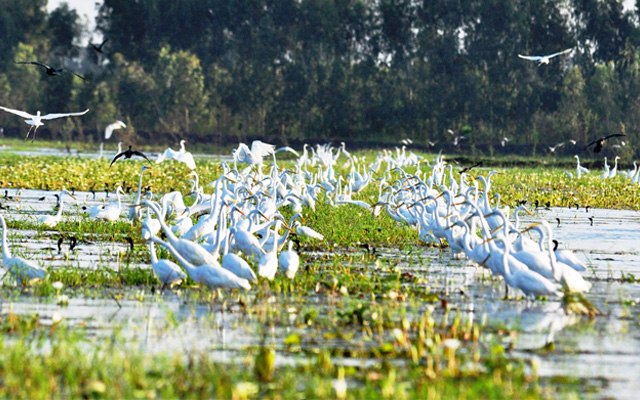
544	59
36	120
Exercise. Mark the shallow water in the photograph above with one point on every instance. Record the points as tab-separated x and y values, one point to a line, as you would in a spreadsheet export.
605	349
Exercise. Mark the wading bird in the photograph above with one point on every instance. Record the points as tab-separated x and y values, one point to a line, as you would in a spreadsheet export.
544	59
20	268
52	220
600	142
52	71
128	154
167	272
36	120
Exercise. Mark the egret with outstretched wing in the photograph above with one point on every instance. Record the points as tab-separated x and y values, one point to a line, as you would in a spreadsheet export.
36	120
544	59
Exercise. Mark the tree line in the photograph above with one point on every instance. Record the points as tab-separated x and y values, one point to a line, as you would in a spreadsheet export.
290	71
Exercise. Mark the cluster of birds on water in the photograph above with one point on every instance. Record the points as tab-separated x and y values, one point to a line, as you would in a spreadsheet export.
237	237
241	234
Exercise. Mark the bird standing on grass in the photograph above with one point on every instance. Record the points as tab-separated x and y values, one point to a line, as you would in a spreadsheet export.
20	268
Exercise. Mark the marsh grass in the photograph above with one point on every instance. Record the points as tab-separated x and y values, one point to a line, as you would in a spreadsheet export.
443	360
349	302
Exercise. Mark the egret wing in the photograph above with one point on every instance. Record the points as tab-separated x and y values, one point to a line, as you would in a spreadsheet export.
54	116
530	58
261	149
289	149
560	53
18	112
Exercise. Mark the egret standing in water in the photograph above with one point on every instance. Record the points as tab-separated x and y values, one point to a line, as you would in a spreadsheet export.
18	267
52	220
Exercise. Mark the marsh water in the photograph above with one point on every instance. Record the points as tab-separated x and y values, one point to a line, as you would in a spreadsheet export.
603	351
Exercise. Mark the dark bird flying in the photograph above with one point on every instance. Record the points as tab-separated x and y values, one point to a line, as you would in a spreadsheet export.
470	168
128	154
52	71
99	47
600	142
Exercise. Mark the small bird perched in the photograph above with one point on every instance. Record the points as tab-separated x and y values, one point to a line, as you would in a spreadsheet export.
600	142
128	154
51	71
36	120
544	59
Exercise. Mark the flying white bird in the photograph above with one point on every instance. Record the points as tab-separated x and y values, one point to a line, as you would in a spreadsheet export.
181	155
36	120
110	128
544	59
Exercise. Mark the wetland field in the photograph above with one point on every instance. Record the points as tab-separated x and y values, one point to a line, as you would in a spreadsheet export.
374	311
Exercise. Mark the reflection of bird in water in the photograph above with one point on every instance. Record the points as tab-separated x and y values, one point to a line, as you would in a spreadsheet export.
600	142
534	318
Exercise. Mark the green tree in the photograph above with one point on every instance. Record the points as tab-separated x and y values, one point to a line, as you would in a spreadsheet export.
181	95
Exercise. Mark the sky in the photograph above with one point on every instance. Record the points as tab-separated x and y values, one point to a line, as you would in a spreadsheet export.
87	9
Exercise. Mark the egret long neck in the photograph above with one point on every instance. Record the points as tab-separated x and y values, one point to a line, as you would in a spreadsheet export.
5	247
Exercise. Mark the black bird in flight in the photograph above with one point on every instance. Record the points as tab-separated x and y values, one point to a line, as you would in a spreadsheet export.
49	70
128	154
470	168
600	142
99	48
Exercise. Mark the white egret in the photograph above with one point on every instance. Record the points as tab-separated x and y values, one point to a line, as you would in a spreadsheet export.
52	220
580	169
212	276
181	155
530	282
109	212
134	212
268	264
18	267
544	59
236	264
254	155
614	170
111	127
289	262
36	120
167	272
192	252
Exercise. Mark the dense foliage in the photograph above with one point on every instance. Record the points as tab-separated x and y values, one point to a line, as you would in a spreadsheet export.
289	70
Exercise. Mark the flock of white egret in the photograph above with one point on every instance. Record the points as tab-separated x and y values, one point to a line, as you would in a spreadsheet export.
240	232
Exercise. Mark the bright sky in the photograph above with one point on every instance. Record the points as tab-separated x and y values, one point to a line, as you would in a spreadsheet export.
88	8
